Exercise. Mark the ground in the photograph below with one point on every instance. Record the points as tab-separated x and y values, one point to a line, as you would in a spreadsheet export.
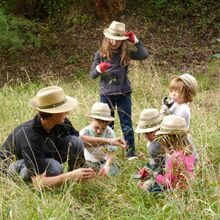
68	50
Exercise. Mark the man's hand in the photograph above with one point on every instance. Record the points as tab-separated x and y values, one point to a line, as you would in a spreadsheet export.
118	142
102	67
82	174
132	37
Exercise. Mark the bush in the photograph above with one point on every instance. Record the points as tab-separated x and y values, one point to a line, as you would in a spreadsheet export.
16	31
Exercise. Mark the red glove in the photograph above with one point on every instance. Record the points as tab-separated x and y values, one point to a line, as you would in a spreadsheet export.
102	67
132	38
144	174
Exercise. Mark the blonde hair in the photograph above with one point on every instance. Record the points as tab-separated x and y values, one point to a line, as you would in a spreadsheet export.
177	84
172	142
106	51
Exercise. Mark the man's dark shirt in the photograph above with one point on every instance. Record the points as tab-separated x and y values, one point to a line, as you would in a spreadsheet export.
29	141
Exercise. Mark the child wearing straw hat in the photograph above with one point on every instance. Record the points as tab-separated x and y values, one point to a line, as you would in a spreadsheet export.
111	64
182	90
180	164
100	116
149	123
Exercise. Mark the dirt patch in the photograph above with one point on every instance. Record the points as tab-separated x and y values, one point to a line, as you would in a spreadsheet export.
68	50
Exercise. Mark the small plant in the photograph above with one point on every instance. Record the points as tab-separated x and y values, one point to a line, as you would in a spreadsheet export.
16	32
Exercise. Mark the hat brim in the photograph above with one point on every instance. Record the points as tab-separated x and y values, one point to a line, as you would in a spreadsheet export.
147	130
70	104
184	80
179	77
108	35
102	118
185	131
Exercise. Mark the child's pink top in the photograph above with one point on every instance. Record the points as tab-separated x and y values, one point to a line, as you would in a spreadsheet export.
179	168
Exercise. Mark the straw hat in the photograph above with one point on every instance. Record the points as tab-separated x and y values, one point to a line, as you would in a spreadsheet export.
190	81
52	99
116	31
150	120
101	111
173	124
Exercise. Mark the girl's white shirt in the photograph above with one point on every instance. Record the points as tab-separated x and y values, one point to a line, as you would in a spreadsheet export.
181	110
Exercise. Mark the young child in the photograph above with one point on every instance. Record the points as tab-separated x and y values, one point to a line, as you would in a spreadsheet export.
100	115
182	90
180	163
111	64
149	124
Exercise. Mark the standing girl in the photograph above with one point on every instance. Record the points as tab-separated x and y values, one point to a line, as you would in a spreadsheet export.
111	63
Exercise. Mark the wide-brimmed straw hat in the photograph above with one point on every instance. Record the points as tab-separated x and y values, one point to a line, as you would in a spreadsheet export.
190	81
115	31
101	111
173	124
52	99
150	120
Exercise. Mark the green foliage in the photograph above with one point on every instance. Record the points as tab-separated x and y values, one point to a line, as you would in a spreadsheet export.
15	32
204	14
52	7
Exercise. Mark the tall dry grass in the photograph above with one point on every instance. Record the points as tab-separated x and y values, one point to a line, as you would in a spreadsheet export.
118	197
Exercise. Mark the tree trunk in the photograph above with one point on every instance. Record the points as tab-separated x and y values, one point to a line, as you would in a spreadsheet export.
109	9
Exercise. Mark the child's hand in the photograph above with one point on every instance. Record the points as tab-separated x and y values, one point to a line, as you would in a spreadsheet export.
132	37
102	67
168	102
118	142
144	174
166	105
150	172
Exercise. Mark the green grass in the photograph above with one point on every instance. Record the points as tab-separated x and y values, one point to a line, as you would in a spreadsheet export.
118	197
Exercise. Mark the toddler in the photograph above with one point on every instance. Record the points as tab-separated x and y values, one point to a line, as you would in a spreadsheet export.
182	90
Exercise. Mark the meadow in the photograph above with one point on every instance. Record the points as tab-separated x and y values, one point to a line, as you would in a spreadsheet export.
118	197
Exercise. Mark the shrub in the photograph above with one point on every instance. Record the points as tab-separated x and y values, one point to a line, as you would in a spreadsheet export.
16	31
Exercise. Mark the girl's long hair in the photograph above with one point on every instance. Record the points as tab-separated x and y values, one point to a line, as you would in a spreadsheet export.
106	51
172	142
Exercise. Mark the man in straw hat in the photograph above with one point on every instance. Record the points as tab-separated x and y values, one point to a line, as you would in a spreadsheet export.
42	144
100	117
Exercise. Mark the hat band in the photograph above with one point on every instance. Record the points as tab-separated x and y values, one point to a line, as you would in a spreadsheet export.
171	130
100	114
116	34
54	105
151	125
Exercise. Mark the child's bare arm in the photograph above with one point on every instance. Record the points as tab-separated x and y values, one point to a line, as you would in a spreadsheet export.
98	141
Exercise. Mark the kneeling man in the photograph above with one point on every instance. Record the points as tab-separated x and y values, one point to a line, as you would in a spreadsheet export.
44	143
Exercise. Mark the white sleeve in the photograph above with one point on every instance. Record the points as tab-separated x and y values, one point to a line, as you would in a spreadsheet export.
186	116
